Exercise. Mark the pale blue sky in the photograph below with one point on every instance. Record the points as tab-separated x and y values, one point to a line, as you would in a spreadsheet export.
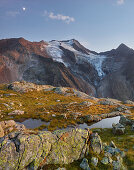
98	24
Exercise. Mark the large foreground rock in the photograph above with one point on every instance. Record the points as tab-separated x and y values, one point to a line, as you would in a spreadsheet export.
22	149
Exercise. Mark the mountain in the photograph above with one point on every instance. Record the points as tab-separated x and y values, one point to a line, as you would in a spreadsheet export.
68	63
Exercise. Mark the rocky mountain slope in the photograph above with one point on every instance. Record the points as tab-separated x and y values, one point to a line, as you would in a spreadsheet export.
69	64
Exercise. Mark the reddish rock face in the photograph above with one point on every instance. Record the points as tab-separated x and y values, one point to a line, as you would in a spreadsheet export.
24	60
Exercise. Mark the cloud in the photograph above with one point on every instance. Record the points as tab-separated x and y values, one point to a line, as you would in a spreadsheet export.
120	2
66	19
12	13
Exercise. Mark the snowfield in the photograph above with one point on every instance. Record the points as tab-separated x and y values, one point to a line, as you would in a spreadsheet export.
54	51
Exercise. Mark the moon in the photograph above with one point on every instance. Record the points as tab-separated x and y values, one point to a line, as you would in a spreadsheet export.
23	8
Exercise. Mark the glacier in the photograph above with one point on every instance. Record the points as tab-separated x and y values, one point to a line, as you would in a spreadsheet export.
54	51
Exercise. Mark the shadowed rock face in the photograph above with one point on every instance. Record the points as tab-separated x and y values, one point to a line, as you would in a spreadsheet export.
69	64
119	80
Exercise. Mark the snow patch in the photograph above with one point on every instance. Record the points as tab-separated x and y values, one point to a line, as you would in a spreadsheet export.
68	46
69	42
55	52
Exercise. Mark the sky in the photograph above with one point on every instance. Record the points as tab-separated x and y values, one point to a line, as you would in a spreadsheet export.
99	25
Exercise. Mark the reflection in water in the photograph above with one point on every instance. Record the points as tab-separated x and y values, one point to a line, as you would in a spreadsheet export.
34	123
104	123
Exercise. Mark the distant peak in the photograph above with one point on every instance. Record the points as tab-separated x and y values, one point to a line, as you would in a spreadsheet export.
21	38
122	47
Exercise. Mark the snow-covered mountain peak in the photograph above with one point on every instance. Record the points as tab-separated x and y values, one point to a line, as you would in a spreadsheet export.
64	51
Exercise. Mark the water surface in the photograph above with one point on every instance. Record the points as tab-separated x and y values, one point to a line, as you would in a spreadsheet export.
34	123
104	123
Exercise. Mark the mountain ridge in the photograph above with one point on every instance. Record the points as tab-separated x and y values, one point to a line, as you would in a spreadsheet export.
69	63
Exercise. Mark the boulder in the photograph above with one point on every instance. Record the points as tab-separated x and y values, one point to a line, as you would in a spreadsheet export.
127	111
36	149
109	102
84	164
118	129
122	108
129	102
105	161
113	114
118	165
87	103
124	120
96	143
16	112
10	125
94	161
111	151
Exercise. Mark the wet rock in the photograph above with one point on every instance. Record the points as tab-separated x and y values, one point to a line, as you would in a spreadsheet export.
94	161
118	129
84	164
96	143
16	112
